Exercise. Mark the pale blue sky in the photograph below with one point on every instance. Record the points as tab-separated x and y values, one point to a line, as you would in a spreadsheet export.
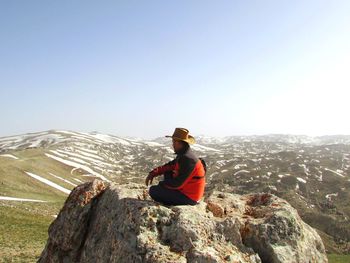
142	68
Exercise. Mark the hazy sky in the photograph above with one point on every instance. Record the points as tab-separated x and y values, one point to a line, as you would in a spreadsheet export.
142	68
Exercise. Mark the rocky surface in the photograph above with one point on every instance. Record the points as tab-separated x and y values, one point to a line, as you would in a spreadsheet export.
119	223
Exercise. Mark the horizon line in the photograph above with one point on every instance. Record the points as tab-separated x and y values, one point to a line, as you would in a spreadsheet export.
196	136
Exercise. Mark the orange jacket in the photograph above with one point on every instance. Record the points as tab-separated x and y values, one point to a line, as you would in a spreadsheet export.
187	175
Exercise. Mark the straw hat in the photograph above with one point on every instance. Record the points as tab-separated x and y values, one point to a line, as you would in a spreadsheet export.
181	134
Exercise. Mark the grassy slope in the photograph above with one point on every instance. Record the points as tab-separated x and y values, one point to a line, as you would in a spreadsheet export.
24	225
23	231
15	182
338	258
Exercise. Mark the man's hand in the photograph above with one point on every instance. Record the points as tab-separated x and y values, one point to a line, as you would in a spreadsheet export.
149	178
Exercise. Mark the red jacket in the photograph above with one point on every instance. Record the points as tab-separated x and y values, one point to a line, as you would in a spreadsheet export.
187	174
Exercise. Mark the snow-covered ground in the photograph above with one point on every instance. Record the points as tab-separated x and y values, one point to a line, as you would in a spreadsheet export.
329	196
239	166
241	172
7	198
9	156
48	182
202	148
77	165
80	157
306	170
79	181
154	144
301	180
109	139
64	180
30	140
88	153
335	172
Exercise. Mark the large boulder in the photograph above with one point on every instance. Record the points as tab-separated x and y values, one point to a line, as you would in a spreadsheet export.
119	223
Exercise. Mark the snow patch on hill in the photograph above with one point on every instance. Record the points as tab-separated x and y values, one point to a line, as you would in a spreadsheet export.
77	165
335	172
64	180
48	182
9	156
301	180
7	198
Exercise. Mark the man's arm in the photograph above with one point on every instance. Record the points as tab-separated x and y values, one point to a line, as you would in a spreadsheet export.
165	168
186	167
160	170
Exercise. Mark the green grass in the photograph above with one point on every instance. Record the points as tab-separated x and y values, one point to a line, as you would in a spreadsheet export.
23	231
333	258
14	182
24	225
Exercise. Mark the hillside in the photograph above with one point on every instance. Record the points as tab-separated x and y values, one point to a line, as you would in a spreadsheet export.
312	173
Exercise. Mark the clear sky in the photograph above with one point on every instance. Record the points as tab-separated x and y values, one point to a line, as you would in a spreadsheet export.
142	68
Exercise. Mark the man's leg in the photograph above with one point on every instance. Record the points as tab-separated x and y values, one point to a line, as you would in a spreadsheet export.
169	196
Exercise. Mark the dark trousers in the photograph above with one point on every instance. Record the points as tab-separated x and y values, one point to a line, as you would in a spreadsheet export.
167	196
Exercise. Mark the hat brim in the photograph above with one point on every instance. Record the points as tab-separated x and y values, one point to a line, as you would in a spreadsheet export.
190	139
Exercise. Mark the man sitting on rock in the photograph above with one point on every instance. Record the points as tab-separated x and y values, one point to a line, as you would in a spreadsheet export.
184	177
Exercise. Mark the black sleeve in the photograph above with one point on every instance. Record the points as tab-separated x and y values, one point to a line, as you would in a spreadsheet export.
186	166
170	163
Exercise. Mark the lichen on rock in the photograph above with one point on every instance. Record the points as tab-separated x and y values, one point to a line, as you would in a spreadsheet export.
120	223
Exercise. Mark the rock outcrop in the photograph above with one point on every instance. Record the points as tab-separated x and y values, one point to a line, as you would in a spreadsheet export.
119	223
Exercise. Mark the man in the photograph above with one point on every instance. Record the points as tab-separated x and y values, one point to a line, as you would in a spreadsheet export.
184	177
